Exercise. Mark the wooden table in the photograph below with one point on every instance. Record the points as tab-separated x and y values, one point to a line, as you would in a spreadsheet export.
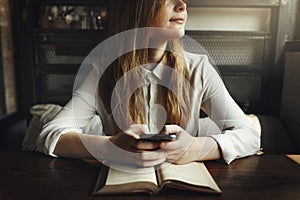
27	175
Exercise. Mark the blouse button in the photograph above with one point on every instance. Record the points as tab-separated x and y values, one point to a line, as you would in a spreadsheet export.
151	102
150	77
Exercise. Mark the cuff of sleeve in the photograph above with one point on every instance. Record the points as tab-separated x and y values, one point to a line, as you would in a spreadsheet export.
228	151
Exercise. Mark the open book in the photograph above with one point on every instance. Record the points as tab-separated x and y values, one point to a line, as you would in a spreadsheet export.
193	176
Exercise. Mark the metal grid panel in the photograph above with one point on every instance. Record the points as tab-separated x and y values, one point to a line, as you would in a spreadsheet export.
244	88
238	50
48	56
56	88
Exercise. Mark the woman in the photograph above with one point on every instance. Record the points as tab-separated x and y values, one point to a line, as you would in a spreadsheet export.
167	103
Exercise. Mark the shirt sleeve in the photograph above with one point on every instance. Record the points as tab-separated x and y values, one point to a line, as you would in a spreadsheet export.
238	138
75	116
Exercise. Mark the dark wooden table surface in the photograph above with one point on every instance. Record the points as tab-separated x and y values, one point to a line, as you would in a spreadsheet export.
27	175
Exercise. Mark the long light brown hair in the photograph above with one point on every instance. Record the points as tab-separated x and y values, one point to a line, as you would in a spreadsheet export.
131	14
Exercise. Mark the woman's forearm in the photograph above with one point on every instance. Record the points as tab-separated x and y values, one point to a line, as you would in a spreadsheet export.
107	149
205	148
71	145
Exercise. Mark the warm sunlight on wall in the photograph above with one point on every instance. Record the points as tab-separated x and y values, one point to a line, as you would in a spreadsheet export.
229	19
8	102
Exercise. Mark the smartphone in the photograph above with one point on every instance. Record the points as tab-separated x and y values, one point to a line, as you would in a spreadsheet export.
157	137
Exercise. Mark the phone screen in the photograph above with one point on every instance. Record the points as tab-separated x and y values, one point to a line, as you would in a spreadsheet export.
157	137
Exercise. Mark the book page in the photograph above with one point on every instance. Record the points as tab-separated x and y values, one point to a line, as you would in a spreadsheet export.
295	158
117	177
194	173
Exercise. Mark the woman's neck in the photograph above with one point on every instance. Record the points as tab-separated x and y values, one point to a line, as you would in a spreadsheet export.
156	55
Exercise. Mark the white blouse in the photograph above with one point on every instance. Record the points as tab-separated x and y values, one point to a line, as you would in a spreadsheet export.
235	134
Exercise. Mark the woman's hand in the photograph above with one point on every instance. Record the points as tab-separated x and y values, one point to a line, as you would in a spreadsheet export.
125	148
181	150
187	148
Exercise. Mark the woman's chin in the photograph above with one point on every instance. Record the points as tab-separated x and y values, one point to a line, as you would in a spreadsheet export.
176	33
161	35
